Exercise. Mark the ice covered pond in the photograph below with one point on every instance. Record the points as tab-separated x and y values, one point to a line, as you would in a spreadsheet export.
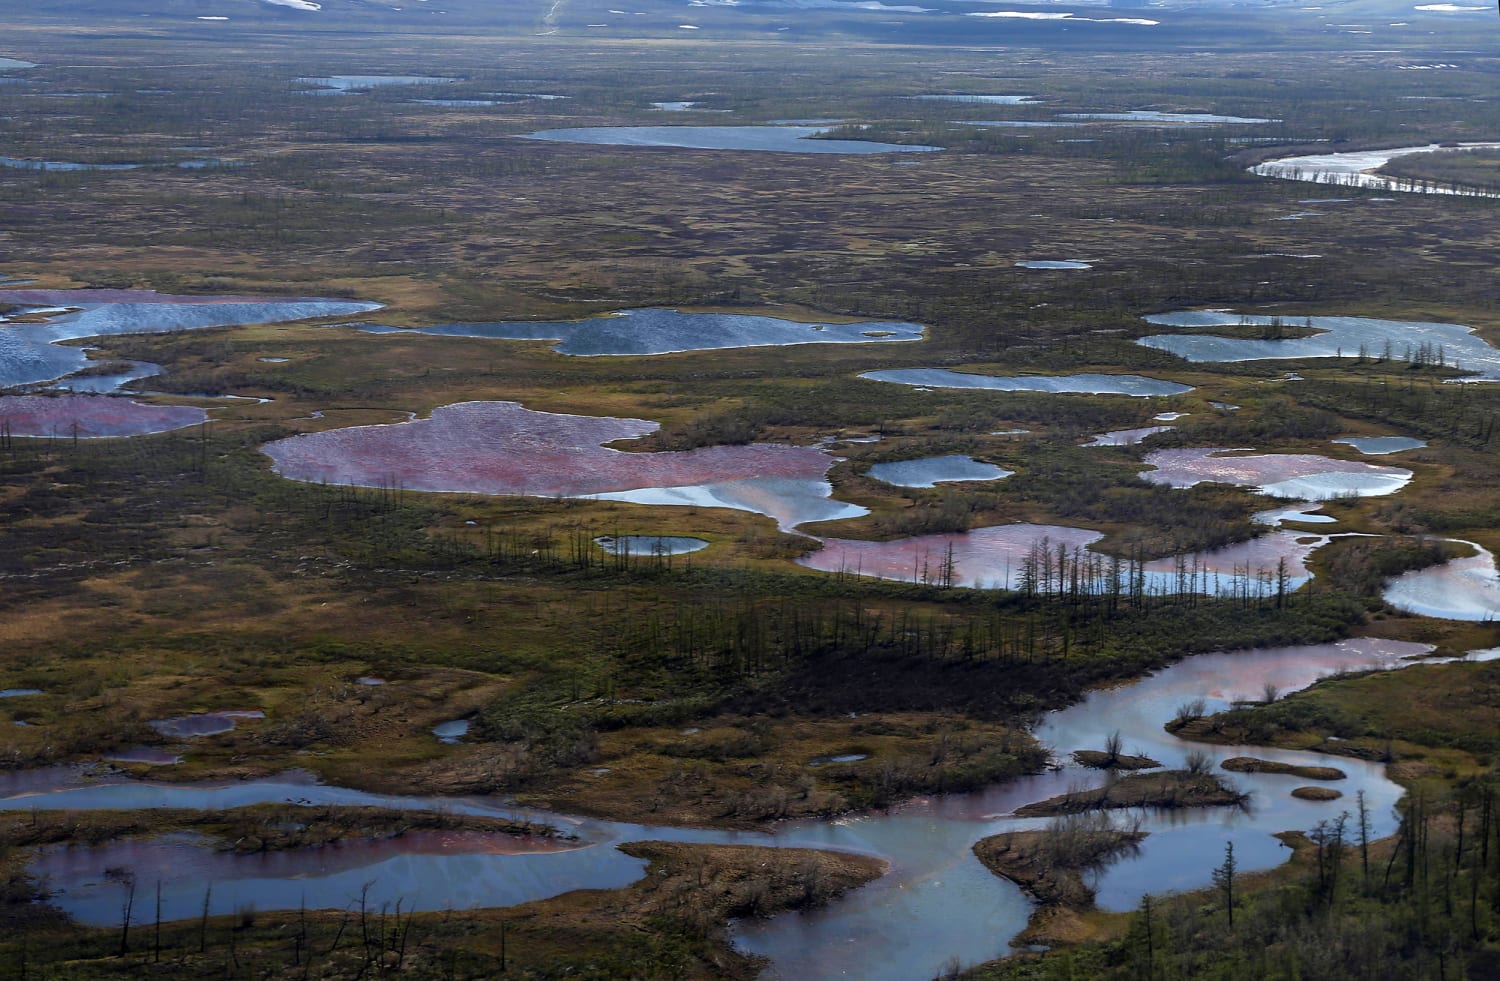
1356	168
1085	383
1303	476
937	902
664	331
31	352
933	470
1348	337
91	416
504	448
770	139
1459	589
1010	556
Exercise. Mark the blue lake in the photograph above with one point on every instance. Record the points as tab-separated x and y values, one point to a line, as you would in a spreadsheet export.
767	139
1084	383
1336	337
657	330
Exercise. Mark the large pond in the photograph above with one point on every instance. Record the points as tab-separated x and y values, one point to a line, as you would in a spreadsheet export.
663	331
16	163
503	448
1013	556
1336	337
357	83
91	416
936	903
1356	168
933	470
1085	383
1166	118
769	139
31	352
1460	589
1303	476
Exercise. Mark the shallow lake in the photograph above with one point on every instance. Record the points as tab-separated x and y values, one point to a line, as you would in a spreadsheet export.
665	331
1347	337
91	416
1084	383
1460	589
504	448
31	352
1304	476
933	470
769	139
1354	169
937	901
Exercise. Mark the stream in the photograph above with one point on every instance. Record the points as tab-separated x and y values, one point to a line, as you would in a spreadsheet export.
937	903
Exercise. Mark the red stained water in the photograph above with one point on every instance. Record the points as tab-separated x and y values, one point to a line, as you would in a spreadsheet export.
984	557
91	416
503	448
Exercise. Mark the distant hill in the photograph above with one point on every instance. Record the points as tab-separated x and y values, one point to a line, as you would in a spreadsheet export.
1107	23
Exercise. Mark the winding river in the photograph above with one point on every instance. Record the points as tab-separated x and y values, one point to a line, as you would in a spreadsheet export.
937	903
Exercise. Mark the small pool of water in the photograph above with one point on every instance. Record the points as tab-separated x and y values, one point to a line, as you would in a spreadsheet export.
1382	445
1054	264
145	754
767	139
1303	476
451	733
843	758
1083	383
9	64
1126	437
1304	513
203	723
665	331
19	692
650	544
933	470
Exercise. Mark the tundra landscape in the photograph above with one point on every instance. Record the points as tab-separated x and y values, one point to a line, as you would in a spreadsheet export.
783	489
